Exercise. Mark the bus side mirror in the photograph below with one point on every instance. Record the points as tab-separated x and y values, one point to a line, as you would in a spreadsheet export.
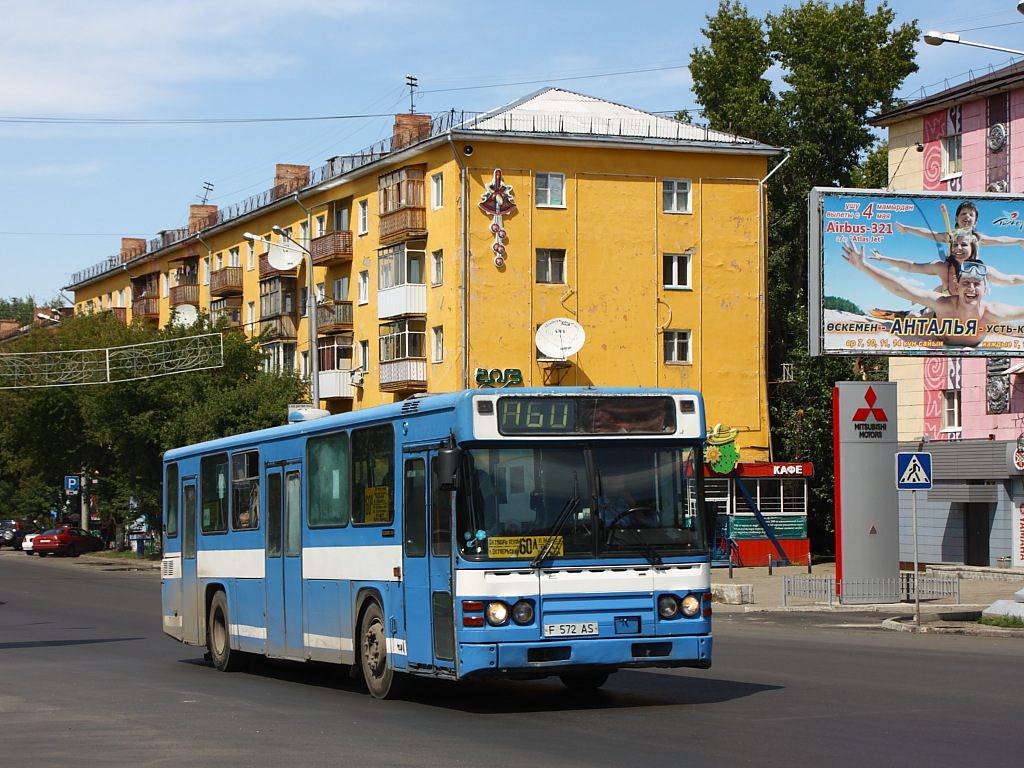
449	459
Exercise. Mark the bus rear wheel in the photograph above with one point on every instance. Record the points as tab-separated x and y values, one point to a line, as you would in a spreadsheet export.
381	680
583	681
218	637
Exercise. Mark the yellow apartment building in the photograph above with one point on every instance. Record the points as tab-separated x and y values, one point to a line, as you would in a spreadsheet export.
558	240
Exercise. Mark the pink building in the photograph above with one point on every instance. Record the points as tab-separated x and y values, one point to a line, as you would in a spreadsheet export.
968	412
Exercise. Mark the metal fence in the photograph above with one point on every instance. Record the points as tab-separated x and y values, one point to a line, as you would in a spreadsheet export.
823	589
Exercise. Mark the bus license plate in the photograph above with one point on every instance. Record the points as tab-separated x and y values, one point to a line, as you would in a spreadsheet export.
575	629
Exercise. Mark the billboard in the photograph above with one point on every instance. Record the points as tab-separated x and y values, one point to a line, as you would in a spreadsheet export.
920	273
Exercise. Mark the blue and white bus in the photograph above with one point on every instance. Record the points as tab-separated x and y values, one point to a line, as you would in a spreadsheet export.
480	534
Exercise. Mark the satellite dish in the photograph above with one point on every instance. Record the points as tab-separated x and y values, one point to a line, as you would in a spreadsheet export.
559	338
185	315
283	258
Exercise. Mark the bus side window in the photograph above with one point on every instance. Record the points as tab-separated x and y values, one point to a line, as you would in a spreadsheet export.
171	501
415	496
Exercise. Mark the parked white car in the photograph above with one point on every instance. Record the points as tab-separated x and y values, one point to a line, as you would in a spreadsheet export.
26	542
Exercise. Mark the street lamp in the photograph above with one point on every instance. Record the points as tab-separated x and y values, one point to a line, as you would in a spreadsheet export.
938	38
311	310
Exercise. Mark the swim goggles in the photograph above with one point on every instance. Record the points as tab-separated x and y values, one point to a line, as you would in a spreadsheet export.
973	267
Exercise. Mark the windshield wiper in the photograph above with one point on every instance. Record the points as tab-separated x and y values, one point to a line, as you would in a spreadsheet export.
645	547
549	543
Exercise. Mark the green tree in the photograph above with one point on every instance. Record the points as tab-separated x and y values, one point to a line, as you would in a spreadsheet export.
117	433
806	79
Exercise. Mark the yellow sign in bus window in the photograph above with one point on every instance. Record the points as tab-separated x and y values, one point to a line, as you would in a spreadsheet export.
378	505
522	546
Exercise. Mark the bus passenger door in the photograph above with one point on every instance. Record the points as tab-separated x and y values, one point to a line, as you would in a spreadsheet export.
192	620
427	569
284	564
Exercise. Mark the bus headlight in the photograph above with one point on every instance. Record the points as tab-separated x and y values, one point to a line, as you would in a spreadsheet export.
497	614
690	606
522	612
668	608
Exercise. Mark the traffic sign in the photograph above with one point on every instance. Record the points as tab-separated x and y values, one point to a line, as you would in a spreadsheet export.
913	471
72	483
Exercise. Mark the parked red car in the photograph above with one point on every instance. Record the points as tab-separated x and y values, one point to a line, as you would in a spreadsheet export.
65	541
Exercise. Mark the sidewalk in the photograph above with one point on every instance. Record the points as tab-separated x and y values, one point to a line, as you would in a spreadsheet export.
755	590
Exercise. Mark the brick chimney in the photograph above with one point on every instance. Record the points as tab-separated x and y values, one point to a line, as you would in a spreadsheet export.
410	129
289	178
132	247
200	217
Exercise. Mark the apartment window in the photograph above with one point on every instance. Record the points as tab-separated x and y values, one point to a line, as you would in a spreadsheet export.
952	154
220	261
364	217
398	266
250	256
206	271
336	352
437	343
341	215
550	265
321	225
675	195
951	409
278	357
277	297
250	313
364	287
340	289
304	233
403	338
400	189
437	267
549	190
303	301
677	346
234	257
364	354
437	191
165	281
676	269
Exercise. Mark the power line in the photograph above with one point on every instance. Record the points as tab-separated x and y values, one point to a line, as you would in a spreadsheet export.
182	121
555	79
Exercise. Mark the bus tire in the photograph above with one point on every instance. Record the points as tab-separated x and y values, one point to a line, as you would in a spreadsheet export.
381	680
218	637
583	681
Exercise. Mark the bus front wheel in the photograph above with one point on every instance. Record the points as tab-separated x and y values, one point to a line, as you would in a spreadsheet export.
218	637
381	680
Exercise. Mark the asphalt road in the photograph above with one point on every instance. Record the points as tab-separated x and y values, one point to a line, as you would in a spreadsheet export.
88	679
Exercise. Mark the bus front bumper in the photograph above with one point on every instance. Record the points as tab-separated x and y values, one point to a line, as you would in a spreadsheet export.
536	660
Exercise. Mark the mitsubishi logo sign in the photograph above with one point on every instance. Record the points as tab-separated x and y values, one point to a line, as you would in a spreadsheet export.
862	414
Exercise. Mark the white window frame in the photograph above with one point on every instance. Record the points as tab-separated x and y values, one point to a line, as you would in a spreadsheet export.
678	346
952	413
677	270
437	267
437	191
543	194
340	288
250	256
437	343
544	261
364	287
234	257
250	313
364	217
952	156
206	270
675	195
321	225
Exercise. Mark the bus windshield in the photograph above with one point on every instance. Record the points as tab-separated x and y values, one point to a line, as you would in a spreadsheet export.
614	501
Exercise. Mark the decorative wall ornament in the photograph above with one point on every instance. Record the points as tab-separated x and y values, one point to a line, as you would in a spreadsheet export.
497	202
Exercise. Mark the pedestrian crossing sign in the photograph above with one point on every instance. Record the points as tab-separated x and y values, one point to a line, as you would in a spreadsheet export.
913	471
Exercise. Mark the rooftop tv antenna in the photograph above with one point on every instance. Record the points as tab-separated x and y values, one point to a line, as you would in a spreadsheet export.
413	84
207	189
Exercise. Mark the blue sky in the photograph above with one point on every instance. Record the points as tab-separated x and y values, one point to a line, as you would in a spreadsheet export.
72	190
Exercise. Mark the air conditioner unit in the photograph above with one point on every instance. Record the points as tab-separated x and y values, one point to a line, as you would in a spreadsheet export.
356	378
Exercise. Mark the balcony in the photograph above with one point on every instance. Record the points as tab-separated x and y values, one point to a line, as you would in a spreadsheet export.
147	309
268	271
336	385
332	248
184	294
230	309
334	316
402	300
405	375
280	327
120	314
402	224
226	282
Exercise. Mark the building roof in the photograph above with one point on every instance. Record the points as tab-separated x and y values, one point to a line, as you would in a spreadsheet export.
555	111
1006	79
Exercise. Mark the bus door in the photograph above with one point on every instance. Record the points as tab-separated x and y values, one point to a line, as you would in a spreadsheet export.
427	568
284	562
190	613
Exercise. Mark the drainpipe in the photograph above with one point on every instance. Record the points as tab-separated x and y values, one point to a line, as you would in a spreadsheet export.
464	240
